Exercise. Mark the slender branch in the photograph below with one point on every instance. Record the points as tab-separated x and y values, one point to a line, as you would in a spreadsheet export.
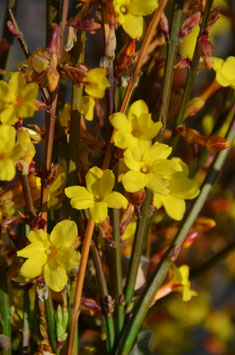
107	312
172	46
20	36
116	254
27	193
137	247
50	317
194	66
171	254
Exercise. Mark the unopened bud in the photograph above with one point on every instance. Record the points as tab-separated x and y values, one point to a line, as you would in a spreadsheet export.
84	25
164	26
204	224
125	57
215	144
194	106
126	218
205	48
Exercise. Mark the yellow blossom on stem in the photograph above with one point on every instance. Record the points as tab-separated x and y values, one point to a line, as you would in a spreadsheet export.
87	108
148	166
180	188
17	99
130	15
98	195
138	125
23	138
225	71
10	152
181	278
96	82
51	255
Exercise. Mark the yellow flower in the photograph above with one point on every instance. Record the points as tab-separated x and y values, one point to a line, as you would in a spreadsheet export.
225	71
180	188
87	109
17	99
130	15
51	255
138	125
56	191
23	138
181	278
10	152
148	167
98	195
96	82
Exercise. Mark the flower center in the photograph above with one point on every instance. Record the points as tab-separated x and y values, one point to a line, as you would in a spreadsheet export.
51	252
97	198
145	169
123	10
2	156
19	101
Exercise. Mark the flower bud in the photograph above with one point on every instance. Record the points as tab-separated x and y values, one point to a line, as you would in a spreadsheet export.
215	144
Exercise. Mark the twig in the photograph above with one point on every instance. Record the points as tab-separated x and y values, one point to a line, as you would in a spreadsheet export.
137	247
107	313
27	193
171	254
172	46
20	36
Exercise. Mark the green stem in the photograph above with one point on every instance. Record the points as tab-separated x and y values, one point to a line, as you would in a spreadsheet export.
5	58
171	254
137	247
172	46
52	15
74	139
105	297
117	271
5	318
50	317
26	322
194	66
27	193
71	303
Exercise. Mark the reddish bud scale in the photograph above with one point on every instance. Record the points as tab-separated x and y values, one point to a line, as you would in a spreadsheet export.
126	218
137	199
189	25
12	29
213	144
84	25
213	17
106	229
125	57
205	48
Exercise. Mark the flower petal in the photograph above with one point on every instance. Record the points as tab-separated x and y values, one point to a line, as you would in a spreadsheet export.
134	181
123	139
92	179
8	115
33	250
55	276
63	233
175	207
133	26
33	267
7	138
37	235
143	8
7	170
157	151
80	197
166	167
106	182
130	161
68	258
98	211
157	184
116	200
119	120
183	187
137	108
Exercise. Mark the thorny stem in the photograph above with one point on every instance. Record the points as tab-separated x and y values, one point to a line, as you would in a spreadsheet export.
172	46
107	313
91	224
171	254
137	247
